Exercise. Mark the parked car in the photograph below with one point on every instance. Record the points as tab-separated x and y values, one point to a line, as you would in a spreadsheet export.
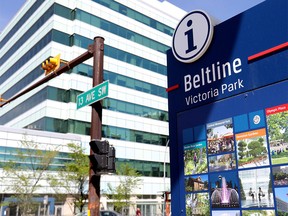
109	213
102	213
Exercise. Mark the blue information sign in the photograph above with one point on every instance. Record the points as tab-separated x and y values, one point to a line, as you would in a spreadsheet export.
228	114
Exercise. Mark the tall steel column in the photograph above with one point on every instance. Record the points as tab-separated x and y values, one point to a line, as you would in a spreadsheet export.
96	125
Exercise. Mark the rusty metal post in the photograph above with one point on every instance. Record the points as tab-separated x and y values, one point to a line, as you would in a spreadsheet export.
96	125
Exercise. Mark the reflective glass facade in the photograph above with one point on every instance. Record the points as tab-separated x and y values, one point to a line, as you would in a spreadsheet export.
145	168
10	154
136	15
78	40
70	95
68	29
120	31
121	55
121	80
79	127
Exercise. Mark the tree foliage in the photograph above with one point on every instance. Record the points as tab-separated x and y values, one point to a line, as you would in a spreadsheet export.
241	149
280	176
73	178
26	172
243	195
256	148
121	194
229	126
278	126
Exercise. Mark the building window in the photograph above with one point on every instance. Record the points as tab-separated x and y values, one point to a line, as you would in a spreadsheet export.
79	127
136	15
145	168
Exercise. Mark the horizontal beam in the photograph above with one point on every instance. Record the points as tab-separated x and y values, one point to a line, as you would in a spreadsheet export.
67	66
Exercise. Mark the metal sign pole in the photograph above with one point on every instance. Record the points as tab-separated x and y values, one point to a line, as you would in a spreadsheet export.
96	126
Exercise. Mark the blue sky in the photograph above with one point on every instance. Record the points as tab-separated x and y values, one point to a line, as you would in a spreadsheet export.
282	193
7	11
219	9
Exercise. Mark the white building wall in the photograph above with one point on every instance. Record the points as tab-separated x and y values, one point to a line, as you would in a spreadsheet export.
162	11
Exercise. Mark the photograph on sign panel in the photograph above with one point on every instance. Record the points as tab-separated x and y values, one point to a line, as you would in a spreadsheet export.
252	149
220	137
258	212
277	123
196	183
195	158
226	213
282	200
222	162
197	204
256	188
280	175
224	190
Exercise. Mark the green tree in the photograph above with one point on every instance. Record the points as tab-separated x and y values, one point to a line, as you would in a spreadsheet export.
73	178
281	213
243	196
256	148
255	212
209	132
204	200
121	194
229	126
280	176
206	184
241	149
278	126
261	140
270	187
26	172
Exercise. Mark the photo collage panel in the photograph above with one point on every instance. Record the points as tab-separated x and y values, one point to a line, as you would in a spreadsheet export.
238	165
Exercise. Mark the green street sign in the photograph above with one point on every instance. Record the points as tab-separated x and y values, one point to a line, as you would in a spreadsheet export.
93	95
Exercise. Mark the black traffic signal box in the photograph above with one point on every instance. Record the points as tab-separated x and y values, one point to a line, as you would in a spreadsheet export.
103	157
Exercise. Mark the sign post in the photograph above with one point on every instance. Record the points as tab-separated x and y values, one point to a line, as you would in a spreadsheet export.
96	125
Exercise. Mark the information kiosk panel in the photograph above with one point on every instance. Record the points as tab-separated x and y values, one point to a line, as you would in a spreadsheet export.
228	114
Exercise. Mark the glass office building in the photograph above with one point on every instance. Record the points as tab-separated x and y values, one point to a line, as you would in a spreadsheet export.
135	114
